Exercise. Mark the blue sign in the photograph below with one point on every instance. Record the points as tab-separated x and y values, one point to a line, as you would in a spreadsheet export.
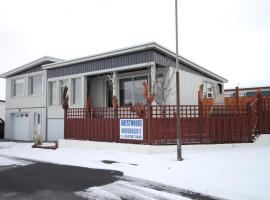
131	129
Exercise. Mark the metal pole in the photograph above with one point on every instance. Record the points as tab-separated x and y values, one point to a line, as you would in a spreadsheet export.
178	125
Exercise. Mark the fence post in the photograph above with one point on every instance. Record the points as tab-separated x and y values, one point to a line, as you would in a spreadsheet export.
250	125
149	116
259	110
200	103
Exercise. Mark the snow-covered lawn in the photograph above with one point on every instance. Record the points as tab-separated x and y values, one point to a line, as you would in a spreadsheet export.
235	172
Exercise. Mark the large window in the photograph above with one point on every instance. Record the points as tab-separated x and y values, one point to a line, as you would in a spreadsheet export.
208	90
53	93
76	91
18	87
35	84
131	91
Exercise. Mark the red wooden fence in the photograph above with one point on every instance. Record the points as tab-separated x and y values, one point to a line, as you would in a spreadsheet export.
199	124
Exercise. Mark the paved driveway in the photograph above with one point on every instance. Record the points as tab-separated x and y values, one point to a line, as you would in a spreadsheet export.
38	181
49	181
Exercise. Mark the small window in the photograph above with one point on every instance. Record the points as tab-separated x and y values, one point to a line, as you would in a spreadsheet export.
35	84
18	87
208	90
219	87
76	91
52	93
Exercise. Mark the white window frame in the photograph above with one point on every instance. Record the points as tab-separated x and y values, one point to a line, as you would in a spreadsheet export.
72	91
205	92
13	87
30	85
50	93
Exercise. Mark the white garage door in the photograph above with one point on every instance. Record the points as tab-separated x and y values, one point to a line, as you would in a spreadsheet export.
21	126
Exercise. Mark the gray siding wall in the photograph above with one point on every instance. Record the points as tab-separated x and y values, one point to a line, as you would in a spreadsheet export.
105	63
150	55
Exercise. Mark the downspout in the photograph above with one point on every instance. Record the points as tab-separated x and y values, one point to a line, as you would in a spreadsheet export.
46	106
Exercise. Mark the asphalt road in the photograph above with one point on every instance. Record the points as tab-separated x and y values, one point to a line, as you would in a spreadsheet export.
42	181
49	181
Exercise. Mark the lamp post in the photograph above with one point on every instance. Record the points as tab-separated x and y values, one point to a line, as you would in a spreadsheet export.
178	125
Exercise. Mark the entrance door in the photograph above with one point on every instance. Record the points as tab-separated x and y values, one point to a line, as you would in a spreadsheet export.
109	93
37	123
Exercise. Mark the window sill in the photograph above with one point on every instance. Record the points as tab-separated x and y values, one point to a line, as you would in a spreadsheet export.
35	95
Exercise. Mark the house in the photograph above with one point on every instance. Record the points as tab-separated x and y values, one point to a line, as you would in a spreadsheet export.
2	109
34	91
26	102
2	117
247	92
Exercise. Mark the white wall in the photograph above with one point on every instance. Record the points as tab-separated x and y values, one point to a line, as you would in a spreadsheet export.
2	110
55	129
26	100
26	103
189	86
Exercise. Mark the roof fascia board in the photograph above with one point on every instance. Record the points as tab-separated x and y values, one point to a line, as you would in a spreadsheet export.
29	65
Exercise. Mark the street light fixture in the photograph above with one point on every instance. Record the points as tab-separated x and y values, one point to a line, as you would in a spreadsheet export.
178	125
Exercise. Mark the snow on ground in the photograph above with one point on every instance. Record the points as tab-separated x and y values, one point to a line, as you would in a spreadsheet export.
235	172
7	162
125	190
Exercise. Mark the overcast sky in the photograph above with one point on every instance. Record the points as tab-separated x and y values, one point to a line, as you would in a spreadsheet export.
229	37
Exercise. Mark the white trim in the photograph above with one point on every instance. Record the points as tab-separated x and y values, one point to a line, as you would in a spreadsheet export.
13	88
29	85
72	92
29	65
133	49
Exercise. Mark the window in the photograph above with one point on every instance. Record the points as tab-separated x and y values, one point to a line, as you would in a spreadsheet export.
53	93
109	92
219	86
126	92
35	84
138	89
162	90
131	90
208	90
76	91
18	87
63	83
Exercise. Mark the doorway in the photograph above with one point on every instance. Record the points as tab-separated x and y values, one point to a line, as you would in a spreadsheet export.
37	123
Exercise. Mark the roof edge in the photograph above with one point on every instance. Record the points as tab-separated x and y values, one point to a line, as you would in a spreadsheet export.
29	65
132	49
